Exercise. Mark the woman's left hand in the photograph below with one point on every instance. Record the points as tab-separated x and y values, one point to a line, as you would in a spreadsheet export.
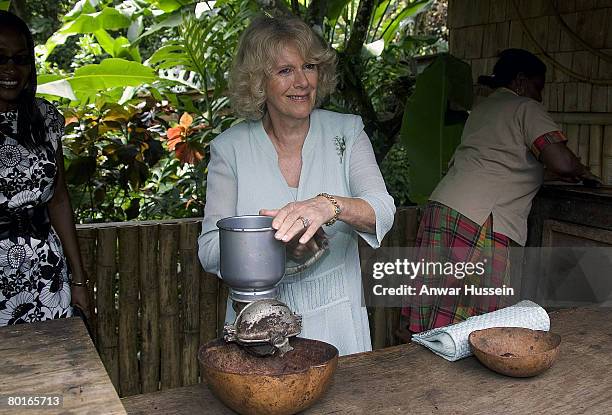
80	299
294	217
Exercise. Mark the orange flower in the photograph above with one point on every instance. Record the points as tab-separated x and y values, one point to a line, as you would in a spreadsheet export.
189	152
185	151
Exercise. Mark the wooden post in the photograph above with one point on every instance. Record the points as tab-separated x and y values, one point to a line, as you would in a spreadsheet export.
209	292
595	155
190	289
128	310
222	296
405	231
411	225
87	246
168	306
106	270
583	144
606	174
149	306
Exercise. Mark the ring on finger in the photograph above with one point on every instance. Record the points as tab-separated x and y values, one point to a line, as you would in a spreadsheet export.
305	221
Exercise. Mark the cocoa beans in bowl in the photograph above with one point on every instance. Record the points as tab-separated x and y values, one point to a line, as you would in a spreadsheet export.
252	385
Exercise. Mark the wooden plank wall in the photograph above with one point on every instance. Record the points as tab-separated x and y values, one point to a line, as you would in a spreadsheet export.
155	305
480	29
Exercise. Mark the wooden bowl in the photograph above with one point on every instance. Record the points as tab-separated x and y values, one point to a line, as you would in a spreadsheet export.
515	351
253	385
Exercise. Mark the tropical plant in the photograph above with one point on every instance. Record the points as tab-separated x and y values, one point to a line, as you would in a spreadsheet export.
142	84
433	122
186	74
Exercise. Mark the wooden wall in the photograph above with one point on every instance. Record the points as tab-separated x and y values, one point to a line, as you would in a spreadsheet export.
480	29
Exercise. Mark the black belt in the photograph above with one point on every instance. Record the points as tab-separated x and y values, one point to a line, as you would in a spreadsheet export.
33	222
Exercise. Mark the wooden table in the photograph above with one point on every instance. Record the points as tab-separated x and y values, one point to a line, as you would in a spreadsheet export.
411	379
56	358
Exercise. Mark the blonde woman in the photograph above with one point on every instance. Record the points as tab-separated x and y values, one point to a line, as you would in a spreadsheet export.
314	171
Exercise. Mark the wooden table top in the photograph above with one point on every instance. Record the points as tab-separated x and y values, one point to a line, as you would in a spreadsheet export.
411	379
54	358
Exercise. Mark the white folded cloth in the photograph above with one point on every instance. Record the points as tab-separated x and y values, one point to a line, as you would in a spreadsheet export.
451	342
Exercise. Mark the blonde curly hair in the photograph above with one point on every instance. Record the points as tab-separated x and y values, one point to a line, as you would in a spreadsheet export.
260	45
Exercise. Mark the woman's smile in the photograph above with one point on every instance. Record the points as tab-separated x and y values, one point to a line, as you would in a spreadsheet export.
15	67
291	89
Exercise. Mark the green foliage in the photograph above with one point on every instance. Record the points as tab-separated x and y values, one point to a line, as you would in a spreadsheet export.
109	153
391	27
396	171
122	161
86	81
5	4
142	85
433	122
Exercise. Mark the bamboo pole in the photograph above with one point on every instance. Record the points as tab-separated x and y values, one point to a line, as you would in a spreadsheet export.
583	144
379	327
106	270
209	293
168	306
190	282
404	233
392	325
149	306
595	155
87	246
606	174
128	310
573	137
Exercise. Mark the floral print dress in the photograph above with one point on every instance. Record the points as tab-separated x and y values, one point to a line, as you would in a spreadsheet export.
34	277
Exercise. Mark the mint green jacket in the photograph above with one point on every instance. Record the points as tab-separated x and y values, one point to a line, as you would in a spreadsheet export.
337	158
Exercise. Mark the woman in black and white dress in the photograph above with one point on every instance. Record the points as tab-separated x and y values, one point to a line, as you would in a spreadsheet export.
41	273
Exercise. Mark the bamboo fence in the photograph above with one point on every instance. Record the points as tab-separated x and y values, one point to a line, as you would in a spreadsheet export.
155	305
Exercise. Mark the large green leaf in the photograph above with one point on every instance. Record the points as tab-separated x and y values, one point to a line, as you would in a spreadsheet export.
170	5
91	80
431	130
107	19
120	47
111	73
5	4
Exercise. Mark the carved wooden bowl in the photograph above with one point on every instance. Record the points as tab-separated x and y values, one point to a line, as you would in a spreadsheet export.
515	351
253	385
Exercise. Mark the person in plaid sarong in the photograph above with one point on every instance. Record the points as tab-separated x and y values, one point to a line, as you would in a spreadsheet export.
480	208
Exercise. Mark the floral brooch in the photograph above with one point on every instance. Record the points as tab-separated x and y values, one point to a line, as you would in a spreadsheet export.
340	146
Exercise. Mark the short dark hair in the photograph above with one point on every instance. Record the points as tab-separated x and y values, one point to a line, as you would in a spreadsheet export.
511	62
30	123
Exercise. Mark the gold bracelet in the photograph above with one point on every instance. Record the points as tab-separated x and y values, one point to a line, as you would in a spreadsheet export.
79	284
337	210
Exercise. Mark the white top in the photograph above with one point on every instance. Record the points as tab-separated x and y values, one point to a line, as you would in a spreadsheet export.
494	170
337	158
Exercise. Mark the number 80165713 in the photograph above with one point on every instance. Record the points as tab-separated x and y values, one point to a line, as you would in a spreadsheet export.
33	401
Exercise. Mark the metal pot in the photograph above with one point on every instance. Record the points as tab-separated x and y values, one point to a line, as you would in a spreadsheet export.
252	260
